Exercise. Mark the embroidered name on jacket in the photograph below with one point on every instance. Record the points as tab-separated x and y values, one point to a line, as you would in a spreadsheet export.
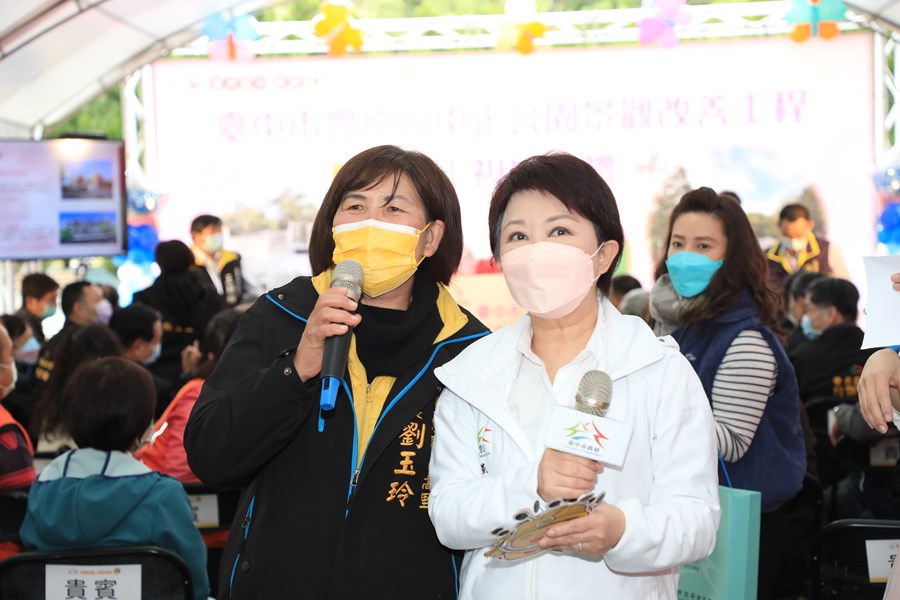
412	441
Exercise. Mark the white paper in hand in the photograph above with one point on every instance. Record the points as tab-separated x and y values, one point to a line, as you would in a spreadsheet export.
883	309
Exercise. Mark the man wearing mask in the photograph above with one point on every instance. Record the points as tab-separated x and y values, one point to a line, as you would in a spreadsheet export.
140	330
39	295
82	304
216	267
799	249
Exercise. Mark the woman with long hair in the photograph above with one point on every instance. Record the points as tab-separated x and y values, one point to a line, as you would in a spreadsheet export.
712	294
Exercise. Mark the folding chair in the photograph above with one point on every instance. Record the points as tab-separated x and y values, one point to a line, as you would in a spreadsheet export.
213	509
12	513
104	573
841	559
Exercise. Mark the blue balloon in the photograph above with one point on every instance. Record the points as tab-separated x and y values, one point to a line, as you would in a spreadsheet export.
140	256
890	216
142	241
215	27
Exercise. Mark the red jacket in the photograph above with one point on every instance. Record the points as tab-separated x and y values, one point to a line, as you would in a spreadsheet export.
165	452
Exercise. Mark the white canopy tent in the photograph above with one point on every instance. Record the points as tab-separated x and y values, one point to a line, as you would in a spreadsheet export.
57	55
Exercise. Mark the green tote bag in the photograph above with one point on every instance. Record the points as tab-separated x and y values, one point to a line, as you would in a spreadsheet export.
730	572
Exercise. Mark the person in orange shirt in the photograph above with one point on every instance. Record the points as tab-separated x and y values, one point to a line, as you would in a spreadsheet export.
165	452
16	452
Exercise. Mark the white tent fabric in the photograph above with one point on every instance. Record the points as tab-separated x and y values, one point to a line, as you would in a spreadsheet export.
56	55
885	13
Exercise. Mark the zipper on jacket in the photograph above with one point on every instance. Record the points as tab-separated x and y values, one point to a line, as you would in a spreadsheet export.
354	473
354	470
245	525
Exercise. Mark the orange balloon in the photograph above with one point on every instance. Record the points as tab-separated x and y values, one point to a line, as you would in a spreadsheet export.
525	45
828	29
801	32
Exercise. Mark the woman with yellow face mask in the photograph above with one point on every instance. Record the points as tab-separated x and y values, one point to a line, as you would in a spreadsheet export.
335	502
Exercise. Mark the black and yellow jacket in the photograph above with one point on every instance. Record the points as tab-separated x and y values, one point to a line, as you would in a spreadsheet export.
228	267
335	513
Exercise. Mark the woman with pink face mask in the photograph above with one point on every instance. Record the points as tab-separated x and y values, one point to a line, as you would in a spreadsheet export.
556	234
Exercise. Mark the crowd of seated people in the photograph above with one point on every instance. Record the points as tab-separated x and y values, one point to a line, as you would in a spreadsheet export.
80	396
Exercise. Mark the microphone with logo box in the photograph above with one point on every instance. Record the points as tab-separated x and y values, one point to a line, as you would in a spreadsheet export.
585	431
347	274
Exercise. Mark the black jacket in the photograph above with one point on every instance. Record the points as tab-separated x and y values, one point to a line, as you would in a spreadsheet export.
309	524
831	364
186	306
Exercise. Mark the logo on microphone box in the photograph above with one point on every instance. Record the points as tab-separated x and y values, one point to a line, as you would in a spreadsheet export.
586	436
597	438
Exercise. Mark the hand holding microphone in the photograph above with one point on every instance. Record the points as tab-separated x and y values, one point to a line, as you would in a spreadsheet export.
325	342
562	473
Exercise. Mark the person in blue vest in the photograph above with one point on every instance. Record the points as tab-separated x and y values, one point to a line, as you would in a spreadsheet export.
335	502
711	293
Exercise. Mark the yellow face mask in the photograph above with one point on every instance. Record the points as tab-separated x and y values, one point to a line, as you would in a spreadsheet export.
387	252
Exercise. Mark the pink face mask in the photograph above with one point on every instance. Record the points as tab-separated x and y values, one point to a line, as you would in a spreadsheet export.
547	279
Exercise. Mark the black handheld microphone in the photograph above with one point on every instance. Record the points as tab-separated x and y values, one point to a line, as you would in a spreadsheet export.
348	274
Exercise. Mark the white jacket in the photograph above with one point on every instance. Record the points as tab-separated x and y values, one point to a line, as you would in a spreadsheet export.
667	489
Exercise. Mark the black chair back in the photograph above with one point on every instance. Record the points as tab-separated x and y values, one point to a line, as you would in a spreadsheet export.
840	559
12	513
163	574
213	509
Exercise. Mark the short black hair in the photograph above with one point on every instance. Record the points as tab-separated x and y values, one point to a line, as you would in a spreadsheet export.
799	281
792	212
216	336
134	322
369	168
622	284
836	292
15	326
203	221
108	404
37	285
72	294
173	256
576	184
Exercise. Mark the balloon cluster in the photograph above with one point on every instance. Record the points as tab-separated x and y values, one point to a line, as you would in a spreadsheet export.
138	269
813	18
335	25
662	17
227	37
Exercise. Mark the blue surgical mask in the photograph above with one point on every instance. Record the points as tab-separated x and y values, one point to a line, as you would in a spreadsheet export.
49	311
691	272
154	356
28	353
213	243
807	327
